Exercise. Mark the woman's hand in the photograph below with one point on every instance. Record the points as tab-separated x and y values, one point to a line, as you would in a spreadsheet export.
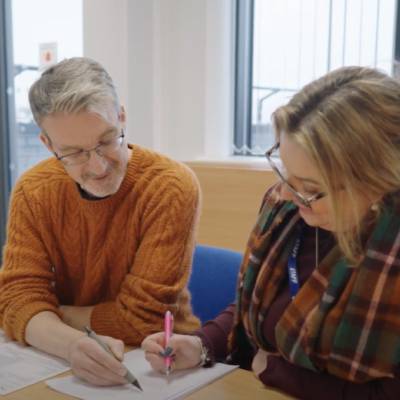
185	351
89	361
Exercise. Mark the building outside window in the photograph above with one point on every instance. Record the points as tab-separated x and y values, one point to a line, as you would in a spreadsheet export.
56	34
285	44
33	35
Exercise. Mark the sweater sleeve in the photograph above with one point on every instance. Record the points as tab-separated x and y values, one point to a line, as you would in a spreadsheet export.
26	277
214	334
161	267
306	384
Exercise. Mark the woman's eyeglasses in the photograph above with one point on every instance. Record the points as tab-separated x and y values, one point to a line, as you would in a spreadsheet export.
305	201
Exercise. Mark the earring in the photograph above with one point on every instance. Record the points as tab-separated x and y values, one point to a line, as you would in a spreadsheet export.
375	207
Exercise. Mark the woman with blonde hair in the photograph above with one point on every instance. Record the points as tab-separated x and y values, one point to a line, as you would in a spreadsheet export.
317	312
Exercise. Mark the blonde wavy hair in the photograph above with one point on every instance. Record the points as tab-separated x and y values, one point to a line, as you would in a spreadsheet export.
348	122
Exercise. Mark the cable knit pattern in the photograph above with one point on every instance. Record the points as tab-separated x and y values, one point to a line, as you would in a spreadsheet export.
129	254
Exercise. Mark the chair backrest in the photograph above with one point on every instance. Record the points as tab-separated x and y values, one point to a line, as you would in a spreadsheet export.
213	280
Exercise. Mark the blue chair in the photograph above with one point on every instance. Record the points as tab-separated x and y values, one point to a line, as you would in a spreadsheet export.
213	280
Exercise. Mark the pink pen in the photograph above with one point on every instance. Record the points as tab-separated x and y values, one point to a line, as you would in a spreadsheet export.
168	328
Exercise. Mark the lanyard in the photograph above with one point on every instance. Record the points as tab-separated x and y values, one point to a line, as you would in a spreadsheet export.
293	275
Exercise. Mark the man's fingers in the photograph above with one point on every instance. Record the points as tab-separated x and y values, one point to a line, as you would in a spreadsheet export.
108	361
94	379
99	370
93	363
117	348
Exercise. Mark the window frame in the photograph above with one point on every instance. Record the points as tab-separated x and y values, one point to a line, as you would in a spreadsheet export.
7	117
396	55
243	76
242	138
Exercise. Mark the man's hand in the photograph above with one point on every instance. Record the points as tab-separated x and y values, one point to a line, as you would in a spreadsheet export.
91	362
88	360
76	317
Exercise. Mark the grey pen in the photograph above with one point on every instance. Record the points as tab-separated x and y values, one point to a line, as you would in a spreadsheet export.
128	376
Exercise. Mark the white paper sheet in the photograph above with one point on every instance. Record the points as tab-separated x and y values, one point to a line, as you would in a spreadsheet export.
155	386
21	366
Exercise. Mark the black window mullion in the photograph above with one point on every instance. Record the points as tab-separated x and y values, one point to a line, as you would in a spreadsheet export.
396	63
243	75
7	116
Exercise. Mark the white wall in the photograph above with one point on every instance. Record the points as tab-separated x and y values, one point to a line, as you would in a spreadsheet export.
172	63
105	38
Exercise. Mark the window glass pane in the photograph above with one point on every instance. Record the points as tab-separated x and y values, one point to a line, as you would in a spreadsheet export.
297	41
55	34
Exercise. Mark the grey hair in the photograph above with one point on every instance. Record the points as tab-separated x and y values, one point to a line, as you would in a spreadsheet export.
71	86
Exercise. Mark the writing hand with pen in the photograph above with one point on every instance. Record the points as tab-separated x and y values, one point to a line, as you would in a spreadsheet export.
166	351
92	363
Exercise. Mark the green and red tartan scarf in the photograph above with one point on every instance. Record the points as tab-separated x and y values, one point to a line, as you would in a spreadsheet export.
344	321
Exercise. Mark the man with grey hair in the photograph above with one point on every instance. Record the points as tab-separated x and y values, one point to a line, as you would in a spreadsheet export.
100	235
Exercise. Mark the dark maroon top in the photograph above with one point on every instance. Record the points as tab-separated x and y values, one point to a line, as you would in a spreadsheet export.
292	379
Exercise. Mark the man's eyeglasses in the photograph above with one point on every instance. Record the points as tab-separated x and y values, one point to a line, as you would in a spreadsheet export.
305	201
105	148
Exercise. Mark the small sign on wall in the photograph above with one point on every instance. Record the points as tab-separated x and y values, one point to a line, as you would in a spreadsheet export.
47	55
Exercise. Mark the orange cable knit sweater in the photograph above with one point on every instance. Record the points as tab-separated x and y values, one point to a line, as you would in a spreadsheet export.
129	254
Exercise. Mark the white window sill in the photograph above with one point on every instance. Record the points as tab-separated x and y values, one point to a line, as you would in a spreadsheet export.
248	162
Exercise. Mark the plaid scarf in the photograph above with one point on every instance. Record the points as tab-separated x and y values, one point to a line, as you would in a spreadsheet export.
344	320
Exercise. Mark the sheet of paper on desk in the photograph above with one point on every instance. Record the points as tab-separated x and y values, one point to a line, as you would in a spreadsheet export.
21	366
155	386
